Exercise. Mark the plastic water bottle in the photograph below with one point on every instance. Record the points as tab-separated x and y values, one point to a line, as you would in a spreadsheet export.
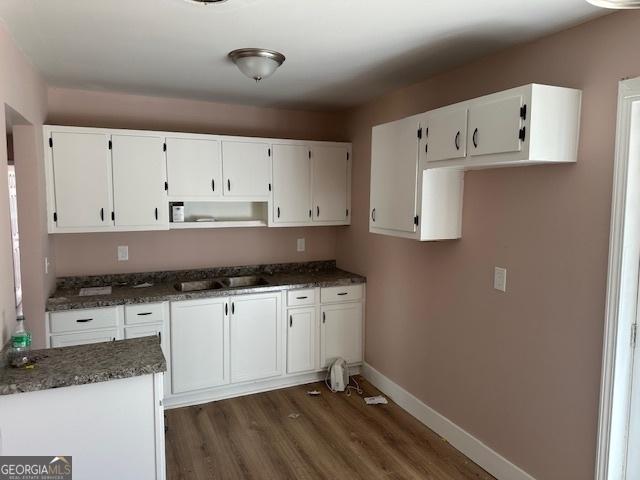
20	345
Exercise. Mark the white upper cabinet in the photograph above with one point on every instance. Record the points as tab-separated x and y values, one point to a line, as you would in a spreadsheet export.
291	184
139	178
330	183
495	125
423	174
246	168
194	168
529	125
80	197
394	166
445	134
124	180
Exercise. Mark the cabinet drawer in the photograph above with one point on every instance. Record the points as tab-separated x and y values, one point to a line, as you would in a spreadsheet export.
79	320
340	294
143	313
84	338
301	297
143	331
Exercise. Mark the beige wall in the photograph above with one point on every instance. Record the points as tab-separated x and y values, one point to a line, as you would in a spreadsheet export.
521	370
96	253
23	90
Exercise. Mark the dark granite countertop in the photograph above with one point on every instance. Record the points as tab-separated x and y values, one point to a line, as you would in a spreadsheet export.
79	365
278	277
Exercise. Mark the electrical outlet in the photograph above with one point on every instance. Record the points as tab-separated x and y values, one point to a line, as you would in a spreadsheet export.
500	279
301	245
123	253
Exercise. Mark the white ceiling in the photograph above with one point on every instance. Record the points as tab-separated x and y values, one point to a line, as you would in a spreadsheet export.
339	52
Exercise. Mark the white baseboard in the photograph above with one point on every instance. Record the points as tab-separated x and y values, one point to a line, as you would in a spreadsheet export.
247	388
491	461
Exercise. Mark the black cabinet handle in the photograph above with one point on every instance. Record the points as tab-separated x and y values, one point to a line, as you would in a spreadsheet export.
278	212
324	317
343	293
144	313
373	214
226	309
301	298
290	321
228	184
102	214
84	320
318	211
309	213
233	307
156	213
457	140
475	138
426	148
213	184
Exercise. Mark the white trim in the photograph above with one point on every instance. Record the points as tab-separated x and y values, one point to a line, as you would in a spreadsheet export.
224	392
490	460
622	291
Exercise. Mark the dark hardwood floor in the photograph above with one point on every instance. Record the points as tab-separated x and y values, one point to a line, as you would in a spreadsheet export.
333	437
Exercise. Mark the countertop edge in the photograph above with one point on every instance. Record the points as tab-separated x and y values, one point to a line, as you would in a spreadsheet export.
93	302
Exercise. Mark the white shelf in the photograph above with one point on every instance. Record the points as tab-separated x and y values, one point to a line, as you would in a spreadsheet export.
218	224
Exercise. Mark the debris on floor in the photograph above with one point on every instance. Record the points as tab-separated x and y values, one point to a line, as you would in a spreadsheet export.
313	393
377	400
293	415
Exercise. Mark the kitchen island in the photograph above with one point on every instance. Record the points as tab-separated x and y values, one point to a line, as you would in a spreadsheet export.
100	404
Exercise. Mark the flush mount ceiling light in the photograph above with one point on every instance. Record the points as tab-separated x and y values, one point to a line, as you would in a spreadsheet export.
205	2
619	4
257	63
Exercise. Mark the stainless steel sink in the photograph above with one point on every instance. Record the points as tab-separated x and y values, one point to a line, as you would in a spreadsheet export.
198	285
244	281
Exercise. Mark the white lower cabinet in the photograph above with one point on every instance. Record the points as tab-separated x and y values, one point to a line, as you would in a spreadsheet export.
225	346
255	337
199	344
83	338
301	340
341	333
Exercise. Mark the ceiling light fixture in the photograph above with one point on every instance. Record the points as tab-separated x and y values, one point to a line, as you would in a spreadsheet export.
257	63
618	4
206	2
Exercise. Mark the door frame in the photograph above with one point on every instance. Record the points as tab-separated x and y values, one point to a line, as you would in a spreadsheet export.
622	293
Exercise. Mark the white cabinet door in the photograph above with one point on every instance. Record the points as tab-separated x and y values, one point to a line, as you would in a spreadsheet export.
291	184
330	183
246	168
255	337
194	168
199	344
494	126
446	134
139	176
82	180
394	165
83	338
301	340
341	333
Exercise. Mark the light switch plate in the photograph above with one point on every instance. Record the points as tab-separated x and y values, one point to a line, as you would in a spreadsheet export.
500	279
123	253
301	245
